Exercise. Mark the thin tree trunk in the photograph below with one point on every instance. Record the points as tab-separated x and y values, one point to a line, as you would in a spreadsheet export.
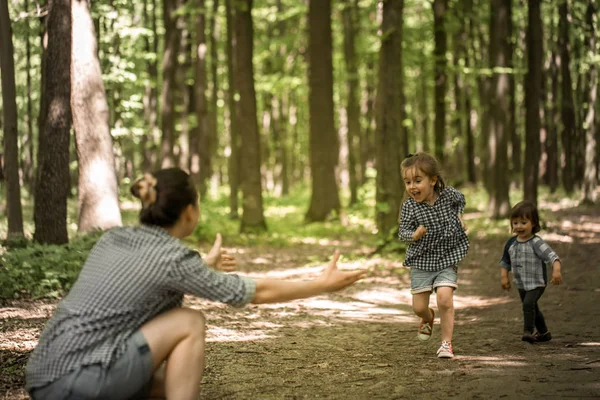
567	107
533	82
201	165
515	138
352	85
590	181
97	187
388	137
214	98
324	143
252	203
439	15
148	140
28	146
169	67
234	161
52	184
500	108
11	138
469	126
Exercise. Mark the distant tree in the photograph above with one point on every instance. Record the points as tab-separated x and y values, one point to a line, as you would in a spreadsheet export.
499	109
533	86
150	100
352	87
440	8
590	181
567	106
9	107
169	69
52	185
389	183
252	202
97	187
233	169
323	143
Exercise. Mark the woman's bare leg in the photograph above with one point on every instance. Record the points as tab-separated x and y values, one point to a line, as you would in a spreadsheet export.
178	337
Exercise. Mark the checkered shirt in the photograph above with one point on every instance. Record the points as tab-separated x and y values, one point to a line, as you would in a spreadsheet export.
528	260
445	244
131	275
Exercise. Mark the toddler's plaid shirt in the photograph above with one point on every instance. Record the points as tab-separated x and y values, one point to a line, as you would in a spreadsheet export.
528	260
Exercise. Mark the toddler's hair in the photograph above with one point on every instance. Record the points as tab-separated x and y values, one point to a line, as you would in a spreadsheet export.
164	194
526	209
428	164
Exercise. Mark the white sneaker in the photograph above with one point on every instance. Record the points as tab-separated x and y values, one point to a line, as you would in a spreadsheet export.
445	350
426	328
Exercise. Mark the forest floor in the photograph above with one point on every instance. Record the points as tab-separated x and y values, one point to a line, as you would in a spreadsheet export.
361	343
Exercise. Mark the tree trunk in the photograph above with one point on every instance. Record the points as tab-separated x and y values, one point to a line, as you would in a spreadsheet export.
367	142
567	107
552	115
388	131
323	140
169	67
149	139
27	143
52	184
590	181
439	15
201	157
98	190
500	108
233	169
214	98
353	87
11	135
252	203
533	82
469	126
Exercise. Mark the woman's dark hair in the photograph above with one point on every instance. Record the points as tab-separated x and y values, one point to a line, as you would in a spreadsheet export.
164	194
427	164
526	209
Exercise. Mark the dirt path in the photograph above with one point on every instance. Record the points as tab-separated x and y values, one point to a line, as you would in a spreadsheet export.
361	343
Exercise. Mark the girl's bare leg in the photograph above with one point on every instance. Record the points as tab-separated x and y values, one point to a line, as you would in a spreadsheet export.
178	337
445	303
421	305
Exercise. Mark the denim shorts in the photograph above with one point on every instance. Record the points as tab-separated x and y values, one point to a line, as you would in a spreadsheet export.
130	377
427	281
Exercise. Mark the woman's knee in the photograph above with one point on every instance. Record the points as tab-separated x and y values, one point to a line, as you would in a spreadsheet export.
193	321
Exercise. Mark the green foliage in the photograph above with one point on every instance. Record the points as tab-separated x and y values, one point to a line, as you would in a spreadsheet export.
29	269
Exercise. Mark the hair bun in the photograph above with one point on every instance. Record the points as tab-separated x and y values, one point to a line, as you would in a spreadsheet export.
145	189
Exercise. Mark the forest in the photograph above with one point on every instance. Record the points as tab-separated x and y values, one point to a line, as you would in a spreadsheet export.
293	118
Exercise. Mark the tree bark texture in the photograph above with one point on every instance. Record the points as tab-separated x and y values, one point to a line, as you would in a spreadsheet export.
323	139
11	144
97	186
499	109
439	16
52	185
389	182
252	203
533	87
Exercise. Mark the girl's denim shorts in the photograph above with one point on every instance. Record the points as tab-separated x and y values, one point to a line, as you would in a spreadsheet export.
428	281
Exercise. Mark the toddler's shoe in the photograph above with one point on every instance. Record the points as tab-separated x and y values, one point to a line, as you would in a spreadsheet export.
445	350
542	337
426	328
528	337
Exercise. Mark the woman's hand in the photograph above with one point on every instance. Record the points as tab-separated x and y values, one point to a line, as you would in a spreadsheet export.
218	258
419	233
505	282
333	279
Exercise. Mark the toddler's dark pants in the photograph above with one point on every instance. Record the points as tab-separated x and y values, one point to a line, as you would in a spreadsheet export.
532	316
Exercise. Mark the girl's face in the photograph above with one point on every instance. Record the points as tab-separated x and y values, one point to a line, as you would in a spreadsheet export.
419	185
522	227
